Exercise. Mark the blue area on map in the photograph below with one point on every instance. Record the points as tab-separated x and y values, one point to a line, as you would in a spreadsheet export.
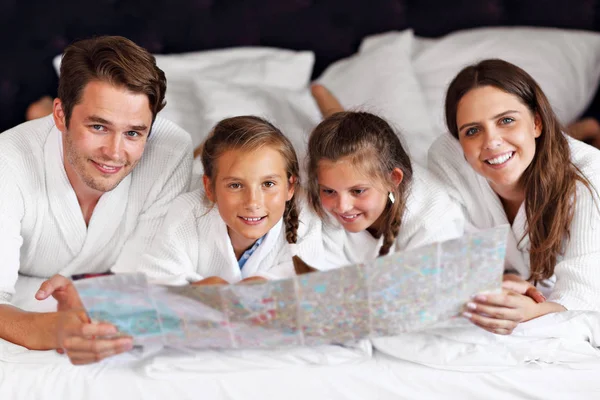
137	320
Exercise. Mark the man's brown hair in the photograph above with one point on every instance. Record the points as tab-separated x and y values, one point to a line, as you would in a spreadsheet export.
112	59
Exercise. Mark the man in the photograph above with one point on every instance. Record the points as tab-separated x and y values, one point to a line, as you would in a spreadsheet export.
86	189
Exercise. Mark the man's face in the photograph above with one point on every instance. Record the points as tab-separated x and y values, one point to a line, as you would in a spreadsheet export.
106	136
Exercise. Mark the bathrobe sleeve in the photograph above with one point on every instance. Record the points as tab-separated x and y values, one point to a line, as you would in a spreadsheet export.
577	284
11	212
172	258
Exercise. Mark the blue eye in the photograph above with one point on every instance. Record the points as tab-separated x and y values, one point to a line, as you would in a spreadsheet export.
506	120
133	134
97	127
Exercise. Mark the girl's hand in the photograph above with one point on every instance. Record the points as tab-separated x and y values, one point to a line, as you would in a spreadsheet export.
500	313
253	279
211	280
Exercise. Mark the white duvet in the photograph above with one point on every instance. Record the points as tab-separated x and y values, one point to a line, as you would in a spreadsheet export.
570	338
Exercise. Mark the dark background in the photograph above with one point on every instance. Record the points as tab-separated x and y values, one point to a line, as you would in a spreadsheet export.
33	32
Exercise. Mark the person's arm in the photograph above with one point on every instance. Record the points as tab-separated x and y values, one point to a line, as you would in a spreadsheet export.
502	312
35	331
69	330
16	326
577	284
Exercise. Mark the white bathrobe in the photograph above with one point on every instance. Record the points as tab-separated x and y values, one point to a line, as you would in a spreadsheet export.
193	244
42	229
576	284
430	216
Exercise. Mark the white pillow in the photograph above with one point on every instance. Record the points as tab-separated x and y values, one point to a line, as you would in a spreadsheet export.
565	63
381	80
246	65
372	42
197	105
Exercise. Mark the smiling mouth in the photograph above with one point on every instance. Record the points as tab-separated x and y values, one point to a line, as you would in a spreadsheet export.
349	217
252	220
500	159
107	169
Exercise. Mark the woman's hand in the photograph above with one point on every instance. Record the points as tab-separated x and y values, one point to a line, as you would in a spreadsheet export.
500	312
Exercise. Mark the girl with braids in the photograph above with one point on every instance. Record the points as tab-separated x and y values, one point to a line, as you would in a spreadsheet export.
238	228
507	161
371	198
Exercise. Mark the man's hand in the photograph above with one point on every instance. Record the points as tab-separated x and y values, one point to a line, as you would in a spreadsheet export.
63	291
83	342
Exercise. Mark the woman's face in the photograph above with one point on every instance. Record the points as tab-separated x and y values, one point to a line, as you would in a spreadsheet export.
497	134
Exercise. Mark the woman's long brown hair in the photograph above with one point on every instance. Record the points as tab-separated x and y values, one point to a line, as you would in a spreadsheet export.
550	181
372	144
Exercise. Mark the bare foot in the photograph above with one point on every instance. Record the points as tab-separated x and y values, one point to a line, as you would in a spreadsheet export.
587	130
39	108
198	151
328	104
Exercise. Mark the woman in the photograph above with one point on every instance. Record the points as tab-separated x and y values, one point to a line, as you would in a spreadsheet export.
508	161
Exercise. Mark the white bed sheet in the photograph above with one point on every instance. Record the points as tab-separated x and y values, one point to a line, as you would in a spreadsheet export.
381	377
47	375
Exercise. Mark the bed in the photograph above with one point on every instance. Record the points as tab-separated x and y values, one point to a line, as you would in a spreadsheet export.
551	358
386	57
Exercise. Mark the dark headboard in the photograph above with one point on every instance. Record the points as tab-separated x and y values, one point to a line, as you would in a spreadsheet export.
35	31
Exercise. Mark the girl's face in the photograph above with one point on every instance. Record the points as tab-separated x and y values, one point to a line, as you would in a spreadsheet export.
250	191
352	198
497	134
